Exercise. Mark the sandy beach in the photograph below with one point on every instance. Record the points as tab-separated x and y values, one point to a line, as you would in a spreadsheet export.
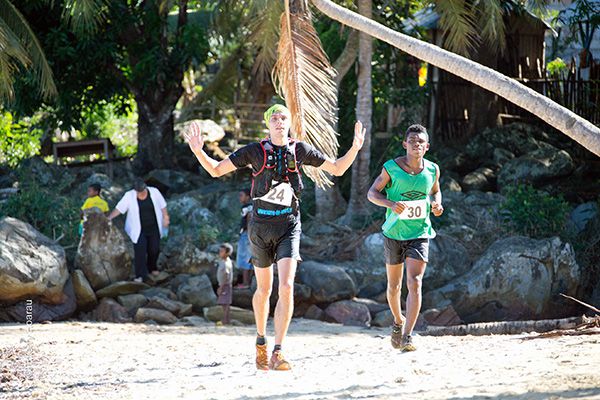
77	360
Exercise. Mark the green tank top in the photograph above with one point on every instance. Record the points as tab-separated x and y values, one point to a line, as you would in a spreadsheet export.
414	223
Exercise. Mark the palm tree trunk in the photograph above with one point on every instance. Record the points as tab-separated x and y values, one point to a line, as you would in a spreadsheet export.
572	125
357	206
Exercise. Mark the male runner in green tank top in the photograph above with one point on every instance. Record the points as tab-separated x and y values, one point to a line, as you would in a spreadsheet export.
412	191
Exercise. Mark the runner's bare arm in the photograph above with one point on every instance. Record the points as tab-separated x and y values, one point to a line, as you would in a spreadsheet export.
376	197
193	137
341	165
436	194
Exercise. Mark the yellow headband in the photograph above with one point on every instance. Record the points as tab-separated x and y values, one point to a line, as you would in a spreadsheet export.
276	109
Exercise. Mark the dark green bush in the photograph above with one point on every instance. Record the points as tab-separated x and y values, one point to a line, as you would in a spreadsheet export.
535	213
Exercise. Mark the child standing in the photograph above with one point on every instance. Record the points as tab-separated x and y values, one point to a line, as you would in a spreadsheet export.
225	280
93	200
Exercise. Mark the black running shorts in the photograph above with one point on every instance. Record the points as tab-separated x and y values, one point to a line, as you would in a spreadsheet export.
396	251
271	241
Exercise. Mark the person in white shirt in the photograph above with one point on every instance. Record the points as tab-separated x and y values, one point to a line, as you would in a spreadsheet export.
146	222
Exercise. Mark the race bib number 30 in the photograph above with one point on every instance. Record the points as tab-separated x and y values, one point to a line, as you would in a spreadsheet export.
280	194
415	209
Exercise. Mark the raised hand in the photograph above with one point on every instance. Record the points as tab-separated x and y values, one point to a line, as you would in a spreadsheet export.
436	208
193	137
359	135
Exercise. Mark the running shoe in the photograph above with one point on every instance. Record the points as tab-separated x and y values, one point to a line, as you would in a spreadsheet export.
397	336
278	363
407	343
262	359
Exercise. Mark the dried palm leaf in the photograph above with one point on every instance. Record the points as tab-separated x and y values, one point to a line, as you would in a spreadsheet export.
304	77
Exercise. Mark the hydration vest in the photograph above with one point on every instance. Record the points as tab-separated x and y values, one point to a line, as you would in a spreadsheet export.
279	166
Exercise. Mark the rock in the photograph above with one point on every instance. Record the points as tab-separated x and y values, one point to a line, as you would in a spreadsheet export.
582	214
372	290
383	319
450	184
160	292
521	276
198	292
160	303
121	288
162	277
169	182
193	320
178	280
182	256
132	302
35	310
373	306
189	214
184	310
314	312
472	208
104	253
460	162
328	283
348	312
110	311
501	156
160	316
537	167
86	298
216	314
448	259
481	179
243	297
31	265
211	131
444	317
518	139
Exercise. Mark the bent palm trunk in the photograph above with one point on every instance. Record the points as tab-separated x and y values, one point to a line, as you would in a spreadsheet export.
577	128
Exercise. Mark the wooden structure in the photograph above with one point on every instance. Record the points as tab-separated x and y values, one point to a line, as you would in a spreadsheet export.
102	147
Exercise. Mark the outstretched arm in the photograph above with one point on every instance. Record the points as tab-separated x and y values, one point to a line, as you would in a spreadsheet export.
193	136
376	197
341	165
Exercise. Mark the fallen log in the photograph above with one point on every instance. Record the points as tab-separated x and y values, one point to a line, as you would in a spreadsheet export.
503	327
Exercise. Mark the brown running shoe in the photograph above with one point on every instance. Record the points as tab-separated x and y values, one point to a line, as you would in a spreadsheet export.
407	344
278	363
262	359
397	336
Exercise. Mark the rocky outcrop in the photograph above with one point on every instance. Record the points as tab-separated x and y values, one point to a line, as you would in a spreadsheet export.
328	283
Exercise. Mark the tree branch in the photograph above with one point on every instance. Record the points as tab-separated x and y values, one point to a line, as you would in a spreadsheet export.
345	61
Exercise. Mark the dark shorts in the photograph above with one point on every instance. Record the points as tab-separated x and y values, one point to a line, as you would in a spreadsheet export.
396	251
271	241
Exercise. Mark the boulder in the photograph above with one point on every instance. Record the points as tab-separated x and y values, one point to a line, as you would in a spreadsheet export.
104	253
444	317
373	306
383	319
450	184
162	317
198	292
110	311
31	265
86	298
170	182
328	283
121	288
501	156
162	277
160	292
193	320
536	168
349	312
582	214
182	256
132	302
35	310
315	312
518	139
184	310
243	297
216	314
482	179
160	303
448	259
178	280
519	277
189	214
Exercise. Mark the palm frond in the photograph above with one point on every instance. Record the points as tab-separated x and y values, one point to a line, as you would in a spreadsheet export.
304	77
16	27
492	24
11	55
456	21
85	16
264	33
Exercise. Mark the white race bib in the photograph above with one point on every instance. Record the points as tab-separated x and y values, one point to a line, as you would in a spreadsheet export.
280	194
415	209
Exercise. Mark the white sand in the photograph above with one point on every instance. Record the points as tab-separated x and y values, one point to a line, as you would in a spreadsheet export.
131	361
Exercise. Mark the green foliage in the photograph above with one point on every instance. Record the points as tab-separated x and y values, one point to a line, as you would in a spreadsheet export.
18	140
207	235
44	207
534	213
556	67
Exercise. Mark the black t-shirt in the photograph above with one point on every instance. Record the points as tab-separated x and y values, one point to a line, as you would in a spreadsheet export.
147	215
253	155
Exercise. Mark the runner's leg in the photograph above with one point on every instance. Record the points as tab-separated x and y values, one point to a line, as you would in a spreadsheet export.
286	268
394	285
414	278
260	300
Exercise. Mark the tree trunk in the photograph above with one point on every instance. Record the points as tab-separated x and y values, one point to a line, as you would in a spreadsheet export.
357	206
572	125
503	327
155	136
